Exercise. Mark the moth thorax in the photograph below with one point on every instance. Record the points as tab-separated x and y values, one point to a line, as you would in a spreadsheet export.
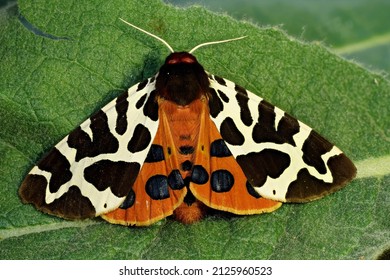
182	79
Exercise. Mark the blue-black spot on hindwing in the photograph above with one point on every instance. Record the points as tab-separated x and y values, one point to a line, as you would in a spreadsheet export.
119	176
258	165
265	130
59	167
242	100
218	148
175	180
215	103
251	190
155	154
129	200
220	80
103	141
230	132
121	106
221	181
140	139
157	187
151	107
313	148
199	175
223	96
142	85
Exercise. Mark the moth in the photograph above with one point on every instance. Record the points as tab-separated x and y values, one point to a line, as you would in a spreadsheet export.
179	143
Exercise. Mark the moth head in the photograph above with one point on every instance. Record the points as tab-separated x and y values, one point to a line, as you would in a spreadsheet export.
181	79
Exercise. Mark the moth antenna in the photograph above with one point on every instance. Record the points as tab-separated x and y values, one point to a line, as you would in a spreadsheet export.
150	34
216	42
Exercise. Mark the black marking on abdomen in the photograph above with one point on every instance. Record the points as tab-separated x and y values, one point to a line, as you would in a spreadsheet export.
199	175
157	187
118	176
175	180
57	164
230	132
140	139
258	165
155	154
129	200
189	199
186	165
313	148
265	130
221	181
185	136
186	150
103	140
218	148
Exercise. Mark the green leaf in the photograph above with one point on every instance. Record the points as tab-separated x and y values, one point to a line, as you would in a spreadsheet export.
356	29
84	56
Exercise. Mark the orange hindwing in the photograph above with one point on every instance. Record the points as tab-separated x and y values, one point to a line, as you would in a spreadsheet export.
218	181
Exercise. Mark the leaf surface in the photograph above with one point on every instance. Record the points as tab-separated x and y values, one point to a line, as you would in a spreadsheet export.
84	56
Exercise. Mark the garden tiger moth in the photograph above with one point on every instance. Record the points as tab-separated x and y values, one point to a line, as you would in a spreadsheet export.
179	143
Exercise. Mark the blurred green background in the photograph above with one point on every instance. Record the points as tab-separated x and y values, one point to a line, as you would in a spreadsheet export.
358	30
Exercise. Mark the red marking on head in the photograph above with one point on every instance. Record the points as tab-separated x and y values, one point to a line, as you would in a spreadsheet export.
180	57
